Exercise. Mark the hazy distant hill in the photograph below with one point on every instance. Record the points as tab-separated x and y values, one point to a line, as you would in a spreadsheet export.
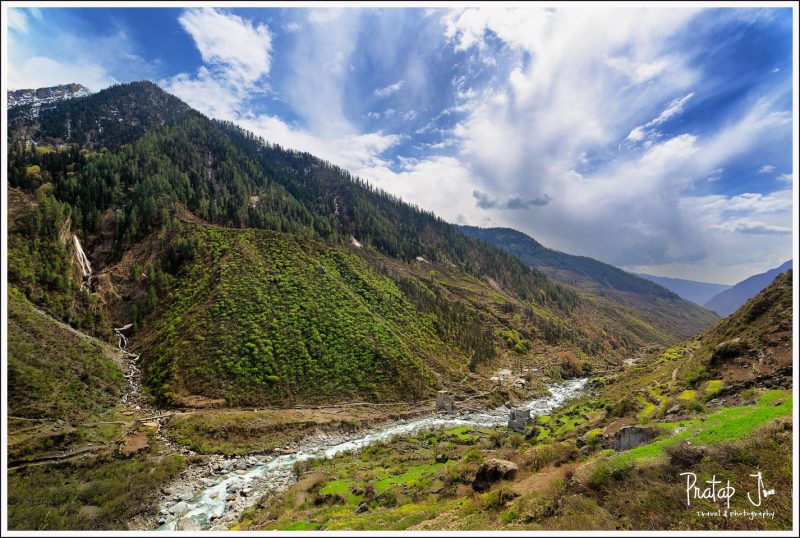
692	290
729	300
642	298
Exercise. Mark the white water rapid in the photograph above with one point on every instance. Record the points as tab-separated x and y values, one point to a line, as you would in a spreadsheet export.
244	480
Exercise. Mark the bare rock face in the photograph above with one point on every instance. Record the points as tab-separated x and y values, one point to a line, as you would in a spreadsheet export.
632	436
492	471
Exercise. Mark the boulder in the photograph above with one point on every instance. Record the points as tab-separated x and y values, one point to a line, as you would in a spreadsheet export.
519	420
441	458
188	524
492	471
727	351
630	437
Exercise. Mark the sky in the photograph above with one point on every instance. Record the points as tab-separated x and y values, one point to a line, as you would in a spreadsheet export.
657	139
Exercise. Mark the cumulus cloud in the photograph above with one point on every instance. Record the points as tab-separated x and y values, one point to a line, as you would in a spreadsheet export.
766	169
788	178
535	130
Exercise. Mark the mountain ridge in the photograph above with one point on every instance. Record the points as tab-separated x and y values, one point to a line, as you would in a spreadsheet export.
726	302
692	290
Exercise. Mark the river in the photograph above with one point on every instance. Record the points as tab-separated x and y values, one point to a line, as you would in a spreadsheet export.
218	504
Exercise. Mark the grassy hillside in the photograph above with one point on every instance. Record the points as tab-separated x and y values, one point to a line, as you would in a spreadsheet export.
55	372
714	408
64	424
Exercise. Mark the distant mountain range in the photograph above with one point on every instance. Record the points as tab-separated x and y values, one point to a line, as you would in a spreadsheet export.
692	290
730	300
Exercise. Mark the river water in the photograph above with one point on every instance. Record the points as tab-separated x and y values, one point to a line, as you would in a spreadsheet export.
206	507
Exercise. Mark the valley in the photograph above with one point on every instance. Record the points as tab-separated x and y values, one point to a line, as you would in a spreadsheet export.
210	331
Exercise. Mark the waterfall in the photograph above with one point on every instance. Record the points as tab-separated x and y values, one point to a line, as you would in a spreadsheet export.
83	260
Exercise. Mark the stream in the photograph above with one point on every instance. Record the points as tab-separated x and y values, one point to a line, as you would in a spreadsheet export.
237	483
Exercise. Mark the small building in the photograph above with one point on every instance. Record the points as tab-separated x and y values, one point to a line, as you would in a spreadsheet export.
445	401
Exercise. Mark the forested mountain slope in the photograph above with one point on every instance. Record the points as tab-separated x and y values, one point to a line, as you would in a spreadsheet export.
647	300
236	262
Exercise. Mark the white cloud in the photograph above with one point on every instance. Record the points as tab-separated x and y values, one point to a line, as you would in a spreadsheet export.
673	108
17	20
41	71
224	87
529	133
788	178
389	90
715	175
230	43
766	169
638	72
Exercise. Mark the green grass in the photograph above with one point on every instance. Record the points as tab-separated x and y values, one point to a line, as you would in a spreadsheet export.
344	487
53	373
727	424
92	494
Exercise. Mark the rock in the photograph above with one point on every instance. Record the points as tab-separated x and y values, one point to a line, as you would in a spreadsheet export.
492	471
161	521
179	508
442	458
361	508
188	524
728	350
674	409
187	496
241	471
519	419
214	495
629	437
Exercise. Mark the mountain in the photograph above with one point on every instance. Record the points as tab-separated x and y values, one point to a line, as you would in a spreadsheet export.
729	300
691	290
252	274
645	299
34	100
48	95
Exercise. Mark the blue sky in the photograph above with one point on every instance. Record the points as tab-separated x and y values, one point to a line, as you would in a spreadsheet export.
657	139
